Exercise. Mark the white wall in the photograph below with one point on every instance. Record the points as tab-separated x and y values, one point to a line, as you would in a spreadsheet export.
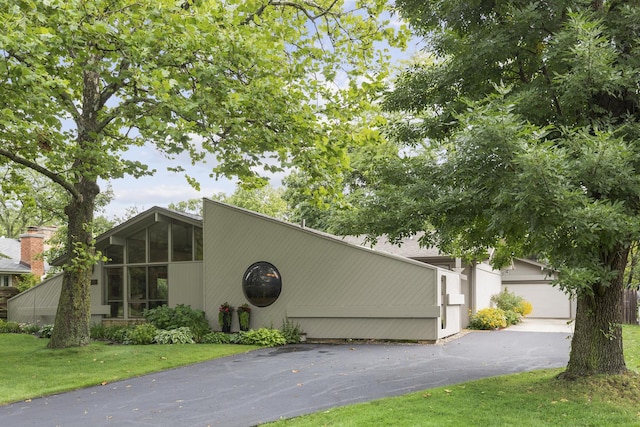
488	282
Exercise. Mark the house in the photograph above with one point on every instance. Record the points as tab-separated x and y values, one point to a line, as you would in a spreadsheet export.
526	278
532	281
331	288
19	257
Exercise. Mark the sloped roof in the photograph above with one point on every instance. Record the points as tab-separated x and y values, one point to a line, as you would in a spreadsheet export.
408	247
145	219
136	223
11	248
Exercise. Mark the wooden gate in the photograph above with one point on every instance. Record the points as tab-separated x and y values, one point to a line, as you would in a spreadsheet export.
630	307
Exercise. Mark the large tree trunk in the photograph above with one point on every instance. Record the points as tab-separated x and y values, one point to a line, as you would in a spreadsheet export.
596	347
73	317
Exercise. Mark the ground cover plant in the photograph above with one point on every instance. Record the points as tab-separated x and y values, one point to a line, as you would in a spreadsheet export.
535	398
30	370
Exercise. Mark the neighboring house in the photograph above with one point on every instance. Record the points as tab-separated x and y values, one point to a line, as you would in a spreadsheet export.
18	257
331	288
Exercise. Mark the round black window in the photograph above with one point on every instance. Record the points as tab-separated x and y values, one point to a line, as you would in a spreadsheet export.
261	284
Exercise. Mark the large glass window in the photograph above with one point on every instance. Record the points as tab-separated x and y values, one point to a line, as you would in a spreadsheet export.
140	283
114	254
4	280
148	288
181	241
261	284
159	242
137	247
115	291
198	243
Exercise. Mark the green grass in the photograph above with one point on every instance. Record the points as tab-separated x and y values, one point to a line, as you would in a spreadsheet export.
529	399
28	369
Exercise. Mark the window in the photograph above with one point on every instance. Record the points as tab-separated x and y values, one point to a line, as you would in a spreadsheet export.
262	284
137	247
148	288
115	291
114	254
181	241
159	242
5	280
136	274
198	243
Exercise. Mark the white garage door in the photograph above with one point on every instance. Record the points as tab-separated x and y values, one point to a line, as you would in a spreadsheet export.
547	301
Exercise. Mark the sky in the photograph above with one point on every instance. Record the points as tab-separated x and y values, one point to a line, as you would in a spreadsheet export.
166	187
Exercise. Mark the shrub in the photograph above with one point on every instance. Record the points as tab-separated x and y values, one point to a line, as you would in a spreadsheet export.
181	335
180	316
513	305
506	300
45	331
290	331
216	338
263	337
525	308
513	317
30	328
238	338
488	318
114	333
142	334
9	327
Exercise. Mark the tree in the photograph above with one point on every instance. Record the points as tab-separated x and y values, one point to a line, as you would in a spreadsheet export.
266	200
519	131
28	199
80	82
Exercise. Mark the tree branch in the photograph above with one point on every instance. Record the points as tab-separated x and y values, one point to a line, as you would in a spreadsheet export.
44	171
304	7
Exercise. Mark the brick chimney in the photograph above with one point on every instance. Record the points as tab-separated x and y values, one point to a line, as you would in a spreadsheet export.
31	249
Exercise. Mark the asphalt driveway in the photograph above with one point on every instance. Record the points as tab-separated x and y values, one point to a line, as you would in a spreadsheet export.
265	385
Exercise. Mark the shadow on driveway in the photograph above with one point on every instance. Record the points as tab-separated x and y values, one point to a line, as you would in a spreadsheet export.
268	384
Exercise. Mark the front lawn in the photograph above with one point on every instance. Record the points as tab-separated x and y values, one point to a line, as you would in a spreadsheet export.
28	369
528	399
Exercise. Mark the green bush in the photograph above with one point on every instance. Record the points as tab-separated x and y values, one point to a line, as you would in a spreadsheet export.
291	331
9	327
263	337
488	318
513	317
514	306
45	331
175	336
114	333
216	338
180	316
30	328
142	334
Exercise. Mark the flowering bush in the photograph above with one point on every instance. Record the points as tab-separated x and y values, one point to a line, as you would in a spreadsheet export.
514	306
225	312
525	308
488	318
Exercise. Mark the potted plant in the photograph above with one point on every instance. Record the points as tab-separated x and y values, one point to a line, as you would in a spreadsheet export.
244	316
224	317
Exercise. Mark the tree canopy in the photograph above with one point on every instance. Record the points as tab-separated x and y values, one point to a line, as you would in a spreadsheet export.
242	81
517	130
